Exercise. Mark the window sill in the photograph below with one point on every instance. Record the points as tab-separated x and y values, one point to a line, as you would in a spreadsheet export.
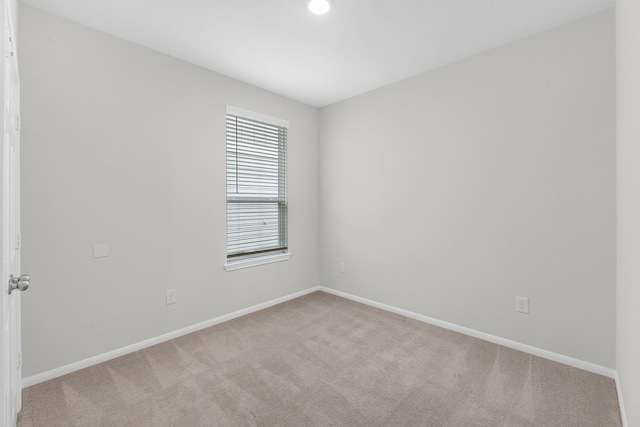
256	261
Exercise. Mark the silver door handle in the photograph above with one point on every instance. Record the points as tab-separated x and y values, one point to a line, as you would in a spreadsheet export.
20	283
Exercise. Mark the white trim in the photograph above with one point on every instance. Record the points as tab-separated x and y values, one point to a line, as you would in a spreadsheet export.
257	116
576	363
623	414
64	370
256	261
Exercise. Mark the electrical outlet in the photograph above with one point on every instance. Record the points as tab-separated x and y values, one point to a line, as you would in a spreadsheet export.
171	296
341	267
522	305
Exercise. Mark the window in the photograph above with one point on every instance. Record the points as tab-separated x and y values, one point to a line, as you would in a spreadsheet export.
256	189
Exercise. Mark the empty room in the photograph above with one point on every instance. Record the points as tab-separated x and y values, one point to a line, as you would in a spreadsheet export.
321	213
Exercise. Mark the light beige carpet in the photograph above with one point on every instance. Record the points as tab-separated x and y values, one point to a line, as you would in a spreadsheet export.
321	360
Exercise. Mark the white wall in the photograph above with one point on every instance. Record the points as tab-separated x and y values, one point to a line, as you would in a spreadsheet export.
628	144
447	194
15	12
126	146
453	192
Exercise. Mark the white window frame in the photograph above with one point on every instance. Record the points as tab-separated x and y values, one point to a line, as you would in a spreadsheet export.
266	258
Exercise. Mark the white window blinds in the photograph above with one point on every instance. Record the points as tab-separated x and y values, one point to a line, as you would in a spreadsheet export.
256	185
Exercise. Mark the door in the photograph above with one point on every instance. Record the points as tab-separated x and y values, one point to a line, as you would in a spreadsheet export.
11	240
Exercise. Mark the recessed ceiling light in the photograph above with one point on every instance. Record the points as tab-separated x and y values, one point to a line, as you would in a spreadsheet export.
319	7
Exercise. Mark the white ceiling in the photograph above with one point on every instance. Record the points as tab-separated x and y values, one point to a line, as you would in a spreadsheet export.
358	46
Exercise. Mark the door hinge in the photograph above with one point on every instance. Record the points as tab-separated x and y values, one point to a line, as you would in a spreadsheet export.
19	364
18	123
18	241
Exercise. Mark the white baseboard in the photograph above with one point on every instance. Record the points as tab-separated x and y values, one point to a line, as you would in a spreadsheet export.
64	370
623	414
576	363
580	364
